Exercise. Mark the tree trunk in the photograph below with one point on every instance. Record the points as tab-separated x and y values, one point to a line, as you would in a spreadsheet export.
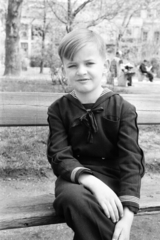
43	38
42	52
12	48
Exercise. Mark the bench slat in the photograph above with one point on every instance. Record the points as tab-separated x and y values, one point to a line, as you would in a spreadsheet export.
26	212
37	211
30	109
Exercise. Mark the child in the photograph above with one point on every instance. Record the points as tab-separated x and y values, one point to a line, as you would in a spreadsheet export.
93	146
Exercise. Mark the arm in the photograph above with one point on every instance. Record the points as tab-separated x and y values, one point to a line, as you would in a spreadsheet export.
111	206
104	195
131	162
131	158
59	151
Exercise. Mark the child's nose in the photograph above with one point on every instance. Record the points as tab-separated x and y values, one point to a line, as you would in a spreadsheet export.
81	70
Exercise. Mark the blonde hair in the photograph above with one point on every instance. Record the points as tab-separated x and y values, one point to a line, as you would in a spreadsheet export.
77	39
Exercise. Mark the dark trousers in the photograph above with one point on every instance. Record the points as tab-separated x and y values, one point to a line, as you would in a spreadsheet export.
81	211
129	78
150	76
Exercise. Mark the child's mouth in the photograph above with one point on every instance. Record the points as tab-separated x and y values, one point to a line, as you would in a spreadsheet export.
83	80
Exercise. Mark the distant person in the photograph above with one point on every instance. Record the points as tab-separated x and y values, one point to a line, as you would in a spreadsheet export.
129	71
146	70
115	64
93	146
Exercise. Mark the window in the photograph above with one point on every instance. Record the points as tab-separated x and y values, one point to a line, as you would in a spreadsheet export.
152	13
24	46
145	36
128	32
137	13
156	37
24	31
37	31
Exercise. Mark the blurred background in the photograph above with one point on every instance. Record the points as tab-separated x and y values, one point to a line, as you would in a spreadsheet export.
30	31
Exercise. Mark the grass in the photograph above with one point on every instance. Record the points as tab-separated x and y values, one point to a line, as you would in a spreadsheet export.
23	150
25	85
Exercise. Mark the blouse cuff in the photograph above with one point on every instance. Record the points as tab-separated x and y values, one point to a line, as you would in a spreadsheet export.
131	202
131	208
128	198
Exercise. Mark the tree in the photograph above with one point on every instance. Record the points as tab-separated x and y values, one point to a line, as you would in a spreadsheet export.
131	7
85	13
45	27
66	14
12	50
3	13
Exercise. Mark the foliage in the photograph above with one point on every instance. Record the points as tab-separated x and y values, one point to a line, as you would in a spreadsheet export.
155	62
52	18
49	56
35	60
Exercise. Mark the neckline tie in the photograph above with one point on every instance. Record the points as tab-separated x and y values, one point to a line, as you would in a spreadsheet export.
88	119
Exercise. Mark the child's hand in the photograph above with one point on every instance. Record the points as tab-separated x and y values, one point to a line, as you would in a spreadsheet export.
105	196
123	227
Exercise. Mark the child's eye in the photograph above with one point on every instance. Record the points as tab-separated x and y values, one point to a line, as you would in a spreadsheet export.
71	66
90	63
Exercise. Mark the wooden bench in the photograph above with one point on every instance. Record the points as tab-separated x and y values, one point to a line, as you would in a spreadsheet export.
30	109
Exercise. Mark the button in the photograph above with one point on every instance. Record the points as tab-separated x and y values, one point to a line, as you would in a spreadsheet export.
103	158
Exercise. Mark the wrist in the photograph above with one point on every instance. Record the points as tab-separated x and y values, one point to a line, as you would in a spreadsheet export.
128	213
89	181
85	178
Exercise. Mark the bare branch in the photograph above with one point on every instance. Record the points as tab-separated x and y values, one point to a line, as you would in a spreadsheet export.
55	13
76	11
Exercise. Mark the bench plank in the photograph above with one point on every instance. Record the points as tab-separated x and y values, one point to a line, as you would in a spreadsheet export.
37	211
30	109
33	211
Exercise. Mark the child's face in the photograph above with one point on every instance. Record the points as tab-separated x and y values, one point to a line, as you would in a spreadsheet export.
85	72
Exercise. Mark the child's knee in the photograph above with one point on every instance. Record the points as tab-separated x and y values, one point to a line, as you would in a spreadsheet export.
72	195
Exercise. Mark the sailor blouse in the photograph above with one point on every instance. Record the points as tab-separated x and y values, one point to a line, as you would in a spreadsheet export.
103	135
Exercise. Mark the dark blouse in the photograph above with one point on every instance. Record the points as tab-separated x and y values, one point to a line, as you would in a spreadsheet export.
103	135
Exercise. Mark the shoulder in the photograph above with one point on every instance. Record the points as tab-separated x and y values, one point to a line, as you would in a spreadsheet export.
120	101
60	103
117	105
